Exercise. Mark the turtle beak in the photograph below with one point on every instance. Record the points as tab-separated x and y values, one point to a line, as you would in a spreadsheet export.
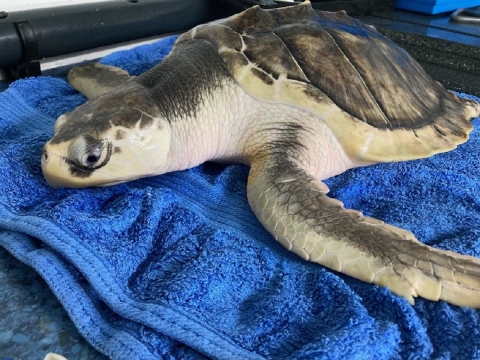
48	169
55	170
59	172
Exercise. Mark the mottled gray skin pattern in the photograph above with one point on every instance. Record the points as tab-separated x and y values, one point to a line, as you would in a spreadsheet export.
122	108
170	85
300	97
391	257
165	90
107	80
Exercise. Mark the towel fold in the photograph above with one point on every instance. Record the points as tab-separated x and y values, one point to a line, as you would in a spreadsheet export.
177	266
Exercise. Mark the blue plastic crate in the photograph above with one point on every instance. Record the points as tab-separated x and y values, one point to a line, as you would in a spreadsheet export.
435	6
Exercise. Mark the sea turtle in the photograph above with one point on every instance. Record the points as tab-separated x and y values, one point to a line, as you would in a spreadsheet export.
299	96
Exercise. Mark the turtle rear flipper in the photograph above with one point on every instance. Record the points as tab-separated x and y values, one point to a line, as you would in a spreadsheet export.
95	79
293	206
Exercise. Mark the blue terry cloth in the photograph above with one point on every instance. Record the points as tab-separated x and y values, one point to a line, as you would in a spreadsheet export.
177	266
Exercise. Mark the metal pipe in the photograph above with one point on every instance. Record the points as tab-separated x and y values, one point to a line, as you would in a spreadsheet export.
471	16
68	29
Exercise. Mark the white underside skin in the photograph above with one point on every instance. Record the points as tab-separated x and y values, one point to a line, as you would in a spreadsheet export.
232	125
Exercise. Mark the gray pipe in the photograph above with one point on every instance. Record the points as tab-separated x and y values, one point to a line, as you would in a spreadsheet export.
68	29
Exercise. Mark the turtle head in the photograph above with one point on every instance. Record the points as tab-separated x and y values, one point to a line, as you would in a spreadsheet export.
114	138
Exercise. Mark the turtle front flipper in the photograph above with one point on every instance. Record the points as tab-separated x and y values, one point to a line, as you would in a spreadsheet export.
293	206
95	79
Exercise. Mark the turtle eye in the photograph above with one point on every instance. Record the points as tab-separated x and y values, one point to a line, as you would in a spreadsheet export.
86	151
91	157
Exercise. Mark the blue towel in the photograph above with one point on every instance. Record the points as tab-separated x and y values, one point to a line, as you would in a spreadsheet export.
177	266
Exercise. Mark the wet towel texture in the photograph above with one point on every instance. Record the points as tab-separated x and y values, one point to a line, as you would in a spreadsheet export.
177	266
